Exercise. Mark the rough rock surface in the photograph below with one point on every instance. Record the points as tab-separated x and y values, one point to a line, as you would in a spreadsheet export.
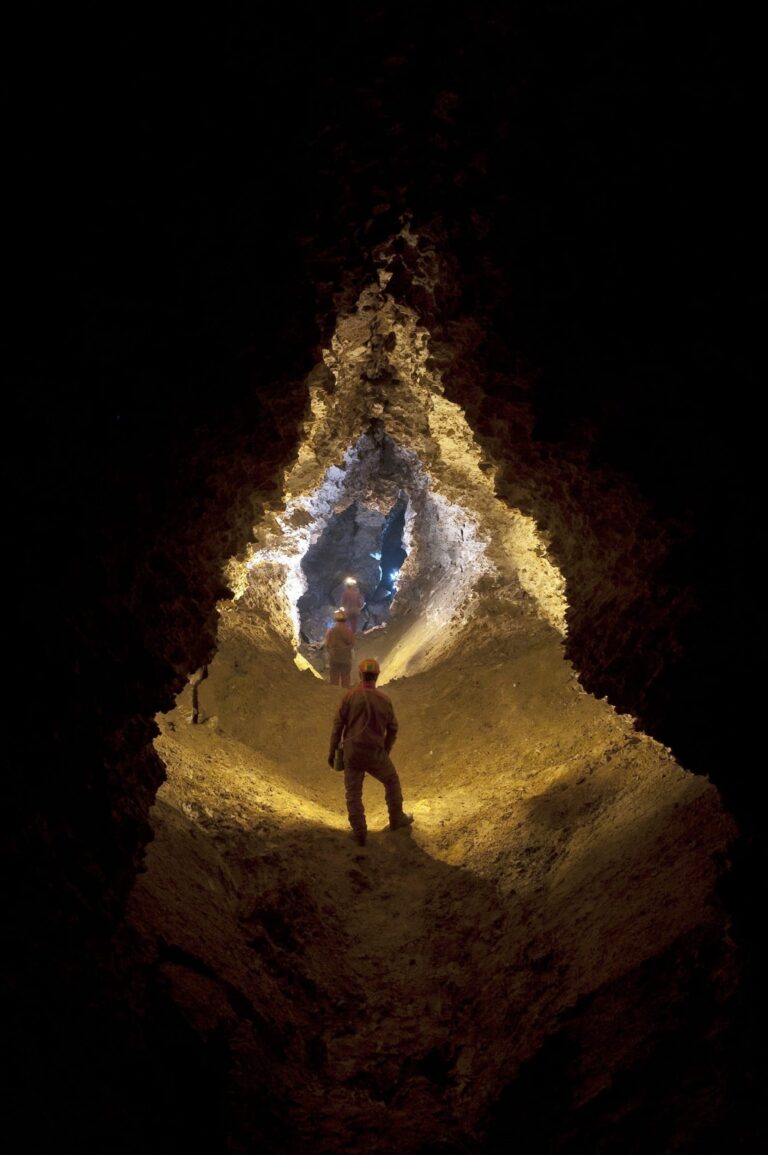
561	874
561	863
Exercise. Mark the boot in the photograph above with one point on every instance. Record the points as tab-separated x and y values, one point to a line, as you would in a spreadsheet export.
400	821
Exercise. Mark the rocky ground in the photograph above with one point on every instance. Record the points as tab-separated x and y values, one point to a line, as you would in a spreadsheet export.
387	998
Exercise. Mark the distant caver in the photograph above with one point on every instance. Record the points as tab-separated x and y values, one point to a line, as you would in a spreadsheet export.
339	646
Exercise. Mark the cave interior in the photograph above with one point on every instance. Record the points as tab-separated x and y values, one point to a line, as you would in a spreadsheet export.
462	305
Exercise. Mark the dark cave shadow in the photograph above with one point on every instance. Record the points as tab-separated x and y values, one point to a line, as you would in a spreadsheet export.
289	933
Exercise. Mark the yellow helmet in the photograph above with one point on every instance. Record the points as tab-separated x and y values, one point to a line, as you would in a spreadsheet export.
369	666
340	615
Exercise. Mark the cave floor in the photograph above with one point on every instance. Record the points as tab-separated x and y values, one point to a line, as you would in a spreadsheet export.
382	998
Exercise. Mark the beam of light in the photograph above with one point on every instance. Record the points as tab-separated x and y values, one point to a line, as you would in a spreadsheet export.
303	664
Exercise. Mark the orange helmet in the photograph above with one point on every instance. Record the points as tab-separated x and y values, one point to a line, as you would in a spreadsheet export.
369	666
340	615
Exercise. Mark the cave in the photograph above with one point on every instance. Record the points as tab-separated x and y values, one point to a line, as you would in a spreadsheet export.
362	541
457	308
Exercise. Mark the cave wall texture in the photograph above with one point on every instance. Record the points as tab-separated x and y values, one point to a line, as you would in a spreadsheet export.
194	201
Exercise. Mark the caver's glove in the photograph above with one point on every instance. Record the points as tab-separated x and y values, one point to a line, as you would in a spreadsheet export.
330	762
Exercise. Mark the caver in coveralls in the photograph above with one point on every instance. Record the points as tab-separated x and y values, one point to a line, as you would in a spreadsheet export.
366	724
353	603
339	643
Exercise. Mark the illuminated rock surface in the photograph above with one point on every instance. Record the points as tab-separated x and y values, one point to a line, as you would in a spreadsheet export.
559	864
557	856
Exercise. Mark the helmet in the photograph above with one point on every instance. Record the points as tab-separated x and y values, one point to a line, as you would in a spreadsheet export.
369	666
340	615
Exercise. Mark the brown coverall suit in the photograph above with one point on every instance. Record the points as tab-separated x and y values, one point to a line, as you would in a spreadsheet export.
339	641
366	721
352	602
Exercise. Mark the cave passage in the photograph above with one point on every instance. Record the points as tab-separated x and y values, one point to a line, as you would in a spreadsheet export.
357	542
395	991
393	553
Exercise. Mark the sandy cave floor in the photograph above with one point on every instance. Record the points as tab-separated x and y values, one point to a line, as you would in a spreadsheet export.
555	849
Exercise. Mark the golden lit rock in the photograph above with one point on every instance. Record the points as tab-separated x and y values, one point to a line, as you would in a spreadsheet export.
557	853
